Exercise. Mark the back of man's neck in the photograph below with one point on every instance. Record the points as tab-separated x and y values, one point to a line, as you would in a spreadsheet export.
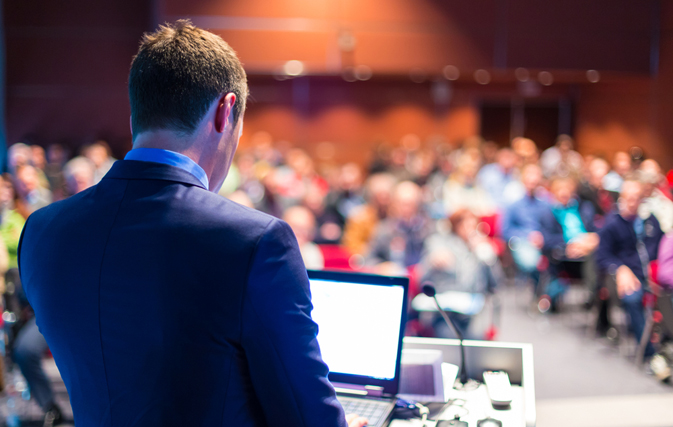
167	140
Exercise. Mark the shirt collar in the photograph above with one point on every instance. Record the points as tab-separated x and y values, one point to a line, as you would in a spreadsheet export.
171	158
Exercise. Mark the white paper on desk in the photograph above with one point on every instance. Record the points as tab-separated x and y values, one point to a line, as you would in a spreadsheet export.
457	302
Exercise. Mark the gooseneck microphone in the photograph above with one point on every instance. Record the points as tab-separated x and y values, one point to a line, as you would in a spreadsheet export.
429	290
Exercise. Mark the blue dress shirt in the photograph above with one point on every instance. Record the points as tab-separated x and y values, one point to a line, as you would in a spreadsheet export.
171	158
523	217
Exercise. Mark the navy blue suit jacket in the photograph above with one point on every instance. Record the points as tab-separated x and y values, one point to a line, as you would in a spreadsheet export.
619	244
167	305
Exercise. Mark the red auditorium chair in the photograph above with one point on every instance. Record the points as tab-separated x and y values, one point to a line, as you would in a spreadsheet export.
337	257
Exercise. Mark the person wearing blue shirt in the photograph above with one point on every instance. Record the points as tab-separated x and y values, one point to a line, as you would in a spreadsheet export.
500	179
163	303
522	228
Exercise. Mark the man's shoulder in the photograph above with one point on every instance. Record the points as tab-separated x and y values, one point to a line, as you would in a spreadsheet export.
193	207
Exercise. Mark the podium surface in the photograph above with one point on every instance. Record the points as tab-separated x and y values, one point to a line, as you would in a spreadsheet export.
514	358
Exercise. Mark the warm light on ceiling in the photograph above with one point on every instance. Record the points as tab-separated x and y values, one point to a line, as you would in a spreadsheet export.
593	76
293	68
545	78
451	72
482	77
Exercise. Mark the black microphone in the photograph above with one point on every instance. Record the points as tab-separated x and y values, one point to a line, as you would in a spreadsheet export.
429	290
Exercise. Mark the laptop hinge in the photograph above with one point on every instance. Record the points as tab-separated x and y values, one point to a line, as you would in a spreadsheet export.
359	390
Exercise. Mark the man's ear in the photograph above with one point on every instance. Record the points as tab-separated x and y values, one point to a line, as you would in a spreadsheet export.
225	106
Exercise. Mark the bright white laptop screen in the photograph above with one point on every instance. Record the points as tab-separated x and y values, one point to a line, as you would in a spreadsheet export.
359	326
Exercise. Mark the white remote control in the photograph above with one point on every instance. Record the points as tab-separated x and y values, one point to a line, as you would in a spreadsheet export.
499	387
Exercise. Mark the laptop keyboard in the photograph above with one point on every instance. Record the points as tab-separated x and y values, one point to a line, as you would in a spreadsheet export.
374	410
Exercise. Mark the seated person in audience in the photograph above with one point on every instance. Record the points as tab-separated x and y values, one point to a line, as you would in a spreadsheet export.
39	160
26	344
561	159
569	234
621	166
79	175
627	245
12	221
655	201
56	158
101	156
461	190
399	238
302	222
32	196
665	257
347	194
526	150
363	220
18	154
500	179
592	190
521	225
459	261
327	220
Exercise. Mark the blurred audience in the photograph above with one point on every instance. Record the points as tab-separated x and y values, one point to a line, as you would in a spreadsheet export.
32	196
302	222
569	235
399	238
101	156
363	220
12	221
561	159
522	226
621	165
591	189
79	174
459	261
462	191
656	195
500	179
428	209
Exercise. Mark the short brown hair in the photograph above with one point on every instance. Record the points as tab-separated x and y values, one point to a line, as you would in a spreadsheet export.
177	73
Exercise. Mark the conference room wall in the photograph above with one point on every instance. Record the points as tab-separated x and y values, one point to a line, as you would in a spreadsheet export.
67	67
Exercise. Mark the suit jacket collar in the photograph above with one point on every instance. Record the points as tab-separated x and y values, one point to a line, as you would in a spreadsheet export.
137	170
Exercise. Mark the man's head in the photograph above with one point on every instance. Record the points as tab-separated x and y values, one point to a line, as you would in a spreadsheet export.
563	189
650	176
39	157
564	143
78	174
531	177
379	190
7	193
302	222
598	168
99	153
407	199
621	163
188	83
630	197
464	223
19	154
27	179
507	159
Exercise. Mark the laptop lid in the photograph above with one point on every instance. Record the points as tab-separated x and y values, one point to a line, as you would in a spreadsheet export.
361	320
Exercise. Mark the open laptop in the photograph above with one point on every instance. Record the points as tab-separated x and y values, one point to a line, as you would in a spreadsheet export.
361	319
